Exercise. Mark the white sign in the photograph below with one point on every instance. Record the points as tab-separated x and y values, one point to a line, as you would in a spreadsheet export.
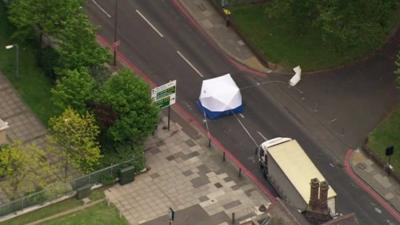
164	95
297	76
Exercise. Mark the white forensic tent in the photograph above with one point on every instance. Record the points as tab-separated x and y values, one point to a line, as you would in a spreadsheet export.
220	96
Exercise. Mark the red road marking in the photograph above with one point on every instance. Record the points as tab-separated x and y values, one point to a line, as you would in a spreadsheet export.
190	119
349	170
233	61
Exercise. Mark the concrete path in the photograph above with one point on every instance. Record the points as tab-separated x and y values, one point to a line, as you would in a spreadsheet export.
188	177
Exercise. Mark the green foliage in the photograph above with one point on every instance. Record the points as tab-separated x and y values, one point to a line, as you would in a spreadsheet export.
130	98
78	46
98	214
349	23
74	89
66	24
48	17
76	136
24	168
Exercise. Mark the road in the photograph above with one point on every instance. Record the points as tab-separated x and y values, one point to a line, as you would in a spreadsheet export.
161	42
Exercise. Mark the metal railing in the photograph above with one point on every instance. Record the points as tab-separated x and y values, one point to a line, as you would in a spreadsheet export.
54	191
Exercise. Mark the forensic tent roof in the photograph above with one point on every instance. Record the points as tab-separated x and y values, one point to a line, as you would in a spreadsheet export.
298	167
220	96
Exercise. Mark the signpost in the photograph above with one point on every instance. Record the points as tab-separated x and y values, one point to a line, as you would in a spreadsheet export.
389	152
164	96
171	215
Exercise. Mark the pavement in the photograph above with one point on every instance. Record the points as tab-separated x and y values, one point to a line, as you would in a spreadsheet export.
386	186
188	177
334	94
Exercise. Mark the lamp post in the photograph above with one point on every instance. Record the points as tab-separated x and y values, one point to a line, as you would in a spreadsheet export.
17	57
115	32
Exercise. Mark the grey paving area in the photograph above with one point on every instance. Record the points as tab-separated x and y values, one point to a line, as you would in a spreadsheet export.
185	175
194	215
383	184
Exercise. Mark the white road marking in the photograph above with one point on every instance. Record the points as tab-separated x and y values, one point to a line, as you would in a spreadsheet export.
262	136
189	63
150	24
101	8
245	129
378	210
331	165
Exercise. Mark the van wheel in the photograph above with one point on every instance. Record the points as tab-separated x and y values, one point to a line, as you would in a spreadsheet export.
265	173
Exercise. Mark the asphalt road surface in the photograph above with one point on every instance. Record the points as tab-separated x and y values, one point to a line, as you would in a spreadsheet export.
158	39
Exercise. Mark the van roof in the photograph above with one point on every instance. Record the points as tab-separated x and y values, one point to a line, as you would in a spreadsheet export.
297	166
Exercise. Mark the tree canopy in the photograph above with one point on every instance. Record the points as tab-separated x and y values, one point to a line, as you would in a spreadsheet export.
48	17
75	137
24	168
129	97
74	89
69	29
355	22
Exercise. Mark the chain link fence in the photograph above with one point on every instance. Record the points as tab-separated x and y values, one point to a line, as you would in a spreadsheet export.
105	176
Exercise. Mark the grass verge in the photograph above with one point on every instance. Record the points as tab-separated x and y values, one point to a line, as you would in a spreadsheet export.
32	85
95	215
53	209
44	212
386	134
279	42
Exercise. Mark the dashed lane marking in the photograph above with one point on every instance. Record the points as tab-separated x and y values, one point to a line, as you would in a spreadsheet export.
149	23
101	8
189	63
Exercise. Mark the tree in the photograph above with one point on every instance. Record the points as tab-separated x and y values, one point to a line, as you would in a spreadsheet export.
343	22
46	17
24	168
75	138
73	35
77	44
74	89
130	98
397	71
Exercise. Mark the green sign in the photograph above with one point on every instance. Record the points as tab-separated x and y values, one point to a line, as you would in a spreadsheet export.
166	92
163	103
164	95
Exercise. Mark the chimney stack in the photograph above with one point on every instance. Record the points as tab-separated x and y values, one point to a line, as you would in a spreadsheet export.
313	204
323	197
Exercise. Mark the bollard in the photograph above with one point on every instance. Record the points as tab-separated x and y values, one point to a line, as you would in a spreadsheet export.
223	156
233	218
209	142
240	172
